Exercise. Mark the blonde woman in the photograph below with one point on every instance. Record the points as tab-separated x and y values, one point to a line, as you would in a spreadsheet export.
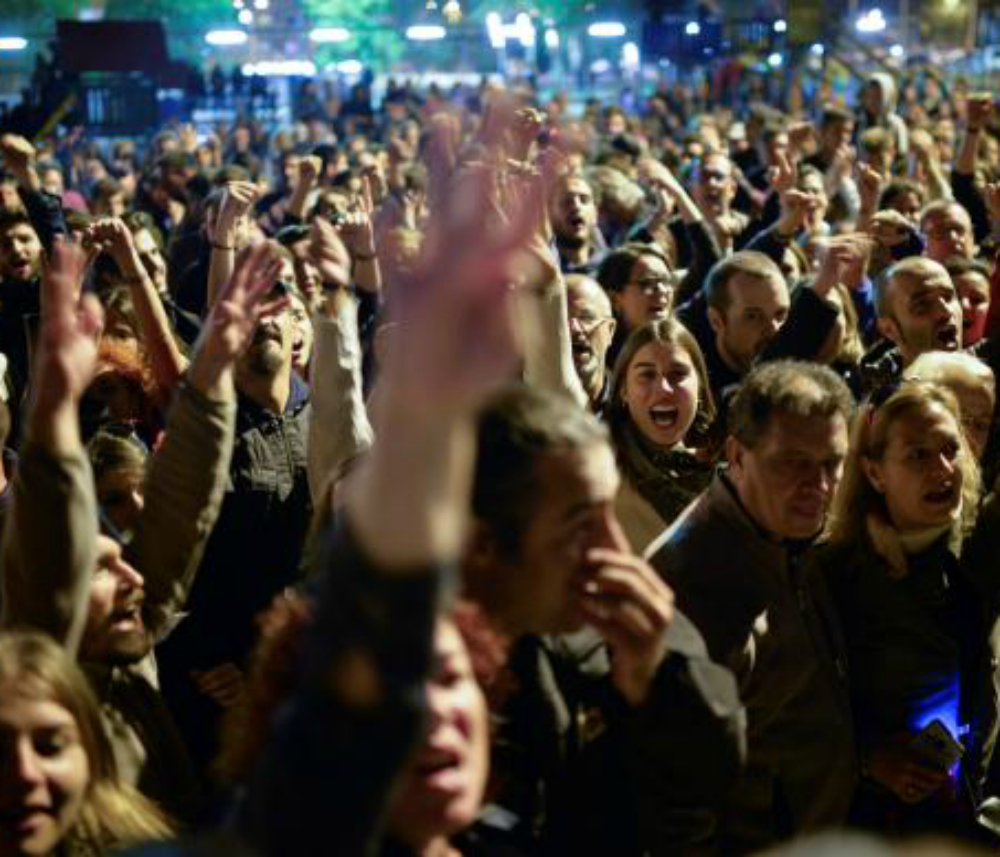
60	793
971	382
912	559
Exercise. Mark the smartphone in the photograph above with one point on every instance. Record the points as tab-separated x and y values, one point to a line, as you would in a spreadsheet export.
937	746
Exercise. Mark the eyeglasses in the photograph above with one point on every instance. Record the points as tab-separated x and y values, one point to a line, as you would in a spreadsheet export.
652	287
588	324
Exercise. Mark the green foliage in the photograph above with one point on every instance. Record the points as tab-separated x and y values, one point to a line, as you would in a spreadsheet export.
376	35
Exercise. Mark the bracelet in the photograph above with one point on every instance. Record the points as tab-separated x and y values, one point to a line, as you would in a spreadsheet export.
222	246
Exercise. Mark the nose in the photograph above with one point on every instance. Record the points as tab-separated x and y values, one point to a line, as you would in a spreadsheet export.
128	577
26	765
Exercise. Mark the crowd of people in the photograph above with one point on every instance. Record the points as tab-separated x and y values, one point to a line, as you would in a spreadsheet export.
472	476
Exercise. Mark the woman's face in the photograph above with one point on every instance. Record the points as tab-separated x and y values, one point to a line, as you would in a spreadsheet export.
302	336
120	494
648	294
44	773
661	392
919	474
121	398
442	788
835	338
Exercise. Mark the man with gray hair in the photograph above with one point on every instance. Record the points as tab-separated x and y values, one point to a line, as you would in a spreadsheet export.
736	560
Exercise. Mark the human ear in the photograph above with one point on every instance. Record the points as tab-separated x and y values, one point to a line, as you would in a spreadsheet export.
873	471
716	321
889	329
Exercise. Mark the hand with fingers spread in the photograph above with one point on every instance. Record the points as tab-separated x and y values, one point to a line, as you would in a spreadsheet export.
66	354
897	766
631	607
231	322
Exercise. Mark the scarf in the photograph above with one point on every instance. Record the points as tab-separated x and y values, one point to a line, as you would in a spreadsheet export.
668	479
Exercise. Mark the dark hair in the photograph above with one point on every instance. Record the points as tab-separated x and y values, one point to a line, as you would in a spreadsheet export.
10	219
616	269
748	262
833	115
958	266
787	387
518	426
667	331
900	187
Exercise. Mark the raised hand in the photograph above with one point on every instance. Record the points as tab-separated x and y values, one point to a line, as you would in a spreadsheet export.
18	156
328	253
231	322
870	187
237	200
784	175
898	767
978	111
70	331
111	235
845	261
357	230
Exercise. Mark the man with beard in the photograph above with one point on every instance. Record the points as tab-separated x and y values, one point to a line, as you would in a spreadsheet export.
714	192
107	598
591	329
255	550
918	311
574	221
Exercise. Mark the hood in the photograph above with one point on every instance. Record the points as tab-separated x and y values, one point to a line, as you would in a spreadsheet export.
888	86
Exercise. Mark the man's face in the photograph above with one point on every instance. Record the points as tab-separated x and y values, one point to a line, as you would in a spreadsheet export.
924	313
716	186
20	253
758	307
775	147
834	135
787	481
116	632
949	233
974	294
152	259
270	350
539	590
591	329
908	204
573	212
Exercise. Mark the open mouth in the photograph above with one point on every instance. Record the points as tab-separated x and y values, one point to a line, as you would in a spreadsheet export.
947	338
663	416
944	497
24	816
127	617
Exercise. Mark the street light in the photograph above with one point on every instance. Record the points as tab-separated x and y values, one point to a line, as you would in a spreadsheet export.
692	28
425	33
872	21
324	35
606	30
780	26
13	43
226	38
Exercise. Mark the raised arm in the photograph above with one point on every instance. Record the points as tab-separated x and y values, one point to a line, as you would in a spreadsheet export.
328	770
50	539
236	205
187	477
